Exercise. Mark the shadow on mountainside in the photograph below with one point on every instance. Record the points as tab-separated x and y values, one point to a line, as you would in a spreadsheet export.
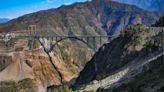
129	50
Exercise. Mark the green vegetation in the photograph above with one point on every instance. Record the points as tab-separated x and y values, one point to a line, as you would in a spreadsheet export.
138	34
139	38
157	41
143	39
8	86
62	89
26	85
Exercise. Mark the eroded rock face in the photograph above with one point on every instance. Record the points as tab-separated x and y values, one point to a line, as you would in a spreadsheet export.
17	70
33	63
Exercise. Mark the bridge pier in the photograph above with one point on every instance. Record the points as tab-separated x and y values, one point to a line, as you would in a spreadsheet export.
94	43
100	40
88	40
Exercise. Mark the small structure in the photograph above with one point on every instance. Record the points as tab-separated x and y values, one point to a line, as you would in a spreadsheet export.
31	29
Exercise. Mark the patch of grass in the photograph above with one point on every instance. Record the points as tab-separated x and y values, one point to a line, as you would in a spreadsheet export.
61	89
26	85
8	86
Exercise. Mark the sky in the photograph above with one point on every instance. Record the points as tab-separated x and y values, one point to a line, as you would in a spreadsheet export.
15	8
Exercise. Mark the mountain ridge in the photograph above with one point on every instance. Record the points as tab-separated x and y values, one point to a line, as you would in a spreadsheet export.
150	5
99	15
4	20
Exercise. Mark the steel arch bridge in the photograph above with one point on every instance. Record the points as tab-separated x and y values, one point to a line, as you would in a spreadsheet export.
90	41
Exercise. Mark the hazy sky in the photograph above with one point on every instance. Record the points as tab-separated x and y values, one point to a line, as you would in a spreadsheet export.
14	8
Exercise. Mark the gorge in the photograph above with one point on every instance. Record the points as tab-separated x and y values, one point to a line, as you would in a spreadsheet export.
129	44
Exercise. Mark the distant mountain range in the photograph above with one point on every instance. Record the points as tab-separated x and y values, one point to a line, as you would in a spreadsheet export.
4	20
151	5
96	17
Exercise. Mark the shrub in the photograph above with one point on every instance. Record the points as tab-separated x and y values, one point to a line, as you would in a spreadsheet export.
62	89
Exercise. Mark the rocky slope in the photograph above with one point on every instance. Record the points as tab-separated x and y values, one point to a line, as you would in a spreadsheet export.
22	62
97	17
150	5
125	74
150	80
132	46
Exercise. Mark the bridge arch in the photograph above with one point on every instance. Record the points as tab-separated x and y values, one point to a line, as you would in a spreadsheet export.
66	38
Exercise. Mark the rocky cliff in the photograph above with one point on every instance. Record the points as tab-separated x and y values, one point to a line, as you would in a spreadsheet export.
133	45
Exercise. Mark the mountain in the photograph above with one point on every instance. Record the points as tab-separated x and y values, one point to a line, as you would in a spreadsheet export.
96	17
23	62
150	5
4	20
127	60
